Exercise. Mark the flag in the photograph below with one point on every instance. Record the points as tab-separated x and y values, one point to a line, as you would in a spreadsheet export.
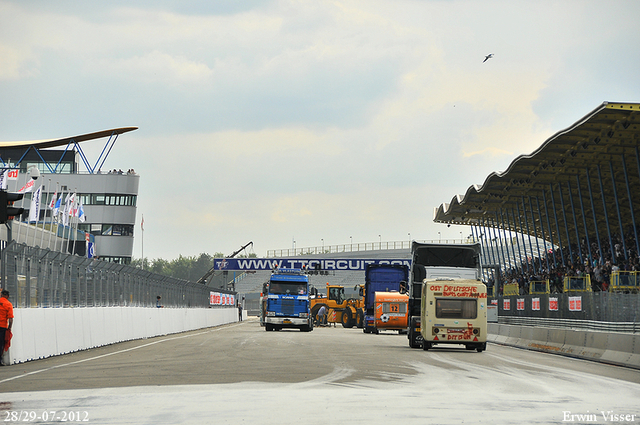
80	214
28	187
68	208
142	223
34	211
52	204
56	207
3	180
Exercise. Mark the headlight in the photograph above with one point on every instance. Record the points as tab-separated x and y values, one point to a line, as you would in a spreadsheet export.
271	313
303	315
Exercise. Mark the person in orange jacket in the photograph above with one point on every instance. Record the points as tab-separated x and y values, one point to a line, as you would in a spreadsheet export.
6	320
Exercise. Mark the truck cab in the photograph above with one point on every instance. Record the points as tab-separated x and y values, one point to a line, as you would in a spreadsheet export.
286	302
383	278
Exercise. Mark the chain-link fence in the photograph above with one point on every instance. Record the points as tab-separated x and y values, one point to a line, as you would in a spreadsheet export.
38	277
594	306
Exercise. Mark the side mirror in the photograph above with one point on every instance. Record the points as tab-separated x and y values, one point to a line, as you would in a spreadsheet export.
403	287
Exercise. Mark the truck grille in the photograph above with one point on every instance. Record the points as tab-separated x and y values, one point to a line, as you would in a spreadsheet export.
288	307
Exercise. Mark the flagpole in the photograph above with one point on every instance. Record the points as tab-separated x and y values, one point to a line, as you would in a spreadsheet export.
74	218
16	237
142	227
56	213
51	207
32	210
68	221
65	220
44	219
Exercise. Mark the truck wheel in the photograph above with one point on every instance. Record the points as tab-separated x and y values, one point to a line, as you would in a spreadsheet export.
267	327
415	339
426	346
307	328
360	318
481	347
347	320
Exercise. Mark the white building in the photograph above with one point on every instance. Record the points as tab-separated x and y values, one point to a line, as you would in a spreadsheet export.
109	199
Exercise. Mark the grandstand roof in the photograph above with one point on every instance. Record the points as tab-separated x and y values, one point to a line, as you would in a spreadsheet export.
604	140
52	143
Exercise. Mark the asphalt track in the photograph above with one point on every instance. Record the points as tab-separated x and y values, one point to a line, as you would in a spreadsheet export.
239	373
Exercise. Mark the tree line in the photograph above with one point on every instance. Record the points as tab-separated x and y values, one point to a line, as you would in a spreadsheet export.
188	268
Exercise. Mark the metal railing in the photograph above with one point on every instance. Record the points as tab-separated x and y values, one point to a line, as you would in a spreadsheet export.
539	287
510	289
590	325
37	277
577	283
622	281
357	247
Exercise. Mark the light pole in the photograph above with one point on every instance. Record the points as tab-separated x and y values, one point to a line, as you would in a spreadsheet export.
322	245
380	240
439	237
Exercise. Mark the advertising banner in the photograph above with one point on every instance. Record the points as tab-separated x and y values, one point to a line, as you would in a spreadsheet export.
575	303
535	304
298	263
217	298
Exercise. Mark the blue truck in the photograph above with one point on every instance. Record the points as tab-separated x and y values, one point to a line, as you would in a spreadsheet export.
381	278
285	301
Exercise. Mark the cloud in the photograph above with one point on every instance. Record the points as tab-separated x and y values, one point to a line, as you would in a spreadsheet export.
267	120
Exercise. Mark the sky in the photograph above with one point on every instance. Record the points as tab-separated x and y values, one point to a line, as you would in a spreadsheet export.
305	123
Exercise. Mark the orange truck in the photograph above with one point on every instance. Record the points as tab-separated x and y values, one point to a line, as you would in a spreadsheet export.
390	311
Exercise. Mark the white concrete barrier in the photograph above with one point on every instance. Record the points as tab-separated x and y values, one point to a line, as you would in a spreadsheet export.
616	348
43	332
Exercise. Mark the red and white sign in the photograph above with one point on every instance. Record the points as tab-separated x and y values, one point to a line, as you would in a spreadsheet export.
12	175
216	298
553	304
506	304
520	304
575	303
535	304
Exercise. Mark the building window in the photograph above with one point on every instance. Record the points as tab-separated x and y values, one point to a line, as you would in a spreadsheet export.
119	260
107	229
103	199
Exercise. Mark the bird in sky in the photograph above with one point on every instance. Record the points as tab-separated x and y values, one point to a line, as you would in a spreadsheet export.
486	58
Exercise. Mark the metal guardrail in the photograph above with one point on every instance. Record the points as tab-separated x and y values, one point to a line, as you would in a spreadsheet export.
357	247
591	325
577	283
38	277
625	281
539	287
510	289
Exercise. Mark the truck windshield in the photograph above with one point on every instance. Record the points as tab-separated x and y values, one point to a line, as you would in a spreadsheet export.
287	288
456	309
